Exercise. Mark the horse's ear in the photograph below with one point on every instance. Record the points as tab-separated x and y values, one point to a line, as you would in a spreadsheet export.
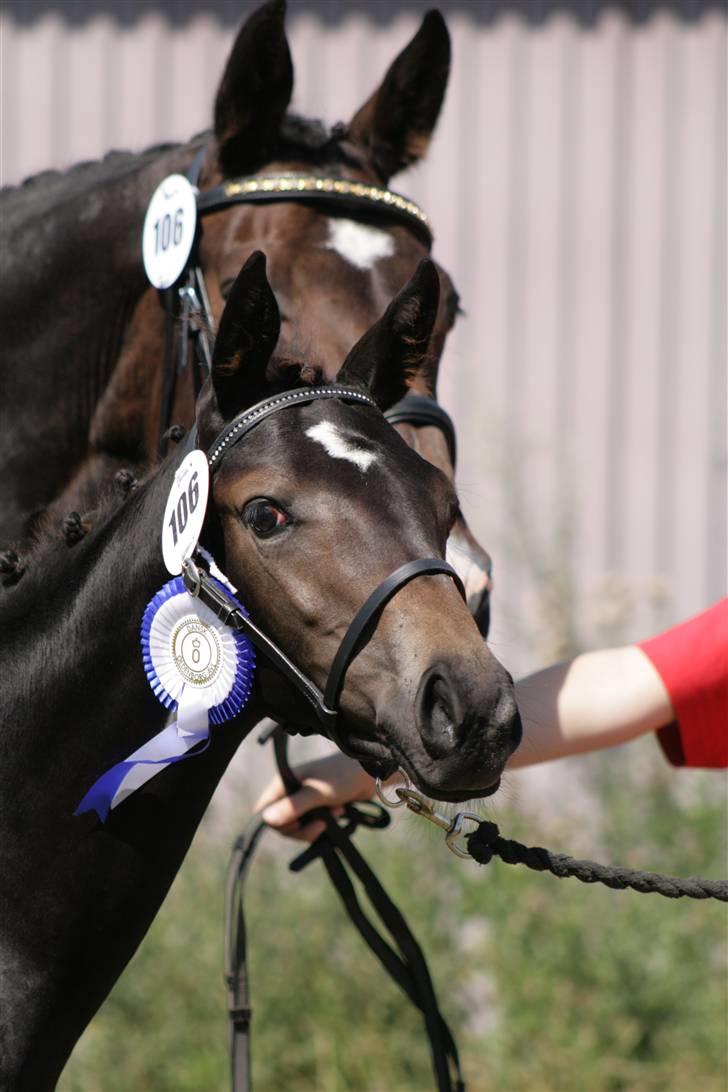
246	338
394	350
254	92
396	123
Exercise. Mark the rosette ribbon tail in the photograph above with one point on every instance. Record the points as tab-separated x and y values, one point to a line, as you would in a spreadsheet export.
186	736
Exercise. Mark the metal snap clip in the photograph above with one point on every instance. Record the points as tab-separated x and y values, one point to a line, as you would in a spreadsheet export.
453	827
457	830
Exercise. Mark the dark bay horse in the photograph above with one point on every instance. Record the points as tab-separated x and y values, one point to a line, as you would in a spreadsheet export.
83	331
310	511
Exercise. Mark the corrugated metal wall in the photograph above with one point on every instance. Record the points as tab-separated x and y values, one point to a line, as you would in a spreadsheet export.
577	185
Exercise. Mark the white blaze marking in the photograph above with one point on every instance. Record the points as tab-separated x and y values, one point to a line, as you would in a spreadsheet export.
338	447
360	244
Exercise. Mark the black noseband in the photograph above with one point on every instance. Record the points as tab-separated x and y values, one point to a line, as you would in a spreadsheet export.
418	409
325	703
370	611
200	584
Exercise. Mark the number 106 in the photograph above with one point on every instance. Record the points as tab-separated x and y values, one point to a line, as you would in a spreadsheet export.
167	230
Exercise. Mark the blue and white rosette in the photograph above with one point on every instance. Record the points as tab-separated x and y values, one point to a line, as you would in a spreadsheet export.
199	669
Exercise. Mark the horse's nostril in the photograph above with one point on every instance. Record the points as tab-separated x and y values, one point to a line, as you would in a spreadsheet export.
441	713
436	716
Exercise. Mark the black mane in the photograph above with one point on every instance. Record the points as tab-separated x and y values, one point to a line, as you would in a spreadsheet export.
46	556
300	138
54	185
310	139
50	543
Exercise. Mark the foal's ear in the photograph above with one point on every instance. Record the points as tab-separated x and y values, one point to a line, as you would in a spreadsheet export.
395	348
254	92
396	123
246	338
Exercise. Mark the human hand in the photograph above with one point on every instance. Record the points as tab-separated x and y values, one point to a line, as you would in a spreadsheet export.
326	782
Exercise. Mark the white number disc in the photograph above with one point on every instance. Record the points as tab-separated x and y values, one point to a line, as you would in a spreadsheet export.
169	230
185	511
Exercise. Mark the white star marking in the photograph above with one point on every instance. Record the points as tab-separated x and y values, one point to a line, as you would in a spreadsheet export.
361	244
338	447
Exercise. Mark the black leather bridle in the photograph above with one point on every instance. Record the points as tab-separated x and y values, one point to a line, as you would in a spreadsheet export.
318	189
339	193
418	409
186	303
201	585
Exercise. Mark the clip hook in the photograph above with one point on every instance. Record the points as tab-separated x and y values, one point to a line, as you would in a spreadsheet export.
453	827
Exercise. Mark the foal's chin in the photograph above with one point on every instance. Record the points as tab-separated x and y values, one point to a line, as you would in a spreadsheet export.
386	768
443	783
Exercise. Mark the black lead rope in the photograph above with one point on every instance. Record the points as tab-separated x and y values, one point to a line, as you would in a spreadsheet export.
486	842
406	963
404	960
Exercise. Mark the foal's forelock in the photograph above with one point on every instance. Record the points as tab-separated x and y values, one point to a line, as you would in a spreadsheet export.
291	371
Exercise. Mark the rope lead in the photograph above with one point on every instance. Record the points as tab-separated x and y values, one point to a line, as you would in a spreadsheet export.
486	842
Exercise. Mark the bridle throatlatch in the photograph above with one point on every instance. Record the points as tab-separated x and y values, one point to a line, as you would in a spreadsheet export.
200	585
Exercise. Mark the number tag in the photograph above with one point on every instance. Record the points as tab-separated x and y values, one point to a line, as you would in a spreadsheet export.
169	230
185	511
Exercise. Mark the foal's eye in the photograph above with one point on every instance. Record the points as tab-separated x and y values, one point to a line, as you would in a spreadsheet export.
264	518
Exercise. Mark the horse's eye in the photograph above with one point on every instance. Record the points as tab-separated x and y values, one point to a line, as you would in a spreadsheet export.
264	518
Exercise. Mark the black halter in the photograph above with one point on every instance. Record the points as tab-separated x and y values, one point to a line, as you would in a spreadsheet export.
200	584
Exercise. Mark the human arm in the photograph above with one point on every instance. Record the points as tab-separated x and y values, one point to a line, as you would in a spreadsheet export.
674	684
599	699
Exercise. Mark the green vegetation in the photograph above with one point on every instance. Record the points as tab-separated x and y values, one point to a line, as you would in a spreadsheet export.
550	986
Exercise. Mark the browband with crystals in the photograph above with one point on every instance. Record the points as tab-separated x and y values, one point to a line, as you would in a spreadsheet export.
287	187
249	418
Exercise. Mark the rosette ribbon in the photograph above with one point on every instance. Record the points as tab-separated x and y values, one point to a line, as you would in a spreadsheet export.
199	669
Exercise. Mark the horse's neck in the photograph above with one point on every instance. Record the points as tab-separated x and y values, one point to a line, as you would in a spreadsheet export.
76	687
71	263
89	208
75	702
76	614
71	278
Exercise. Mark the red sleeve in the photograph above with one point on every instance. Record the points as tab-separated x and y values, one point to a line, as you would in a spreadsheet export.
692	661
